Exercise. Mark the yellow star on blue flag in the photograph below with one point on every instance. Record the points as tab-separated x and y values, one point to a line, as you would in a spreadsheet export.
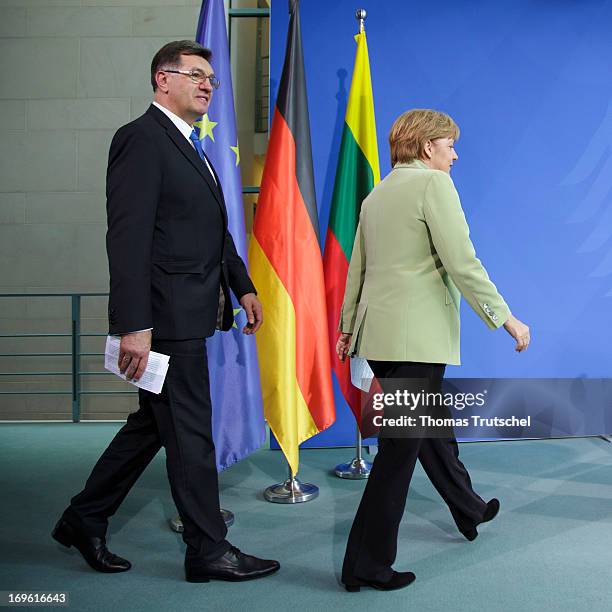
236	150
205	126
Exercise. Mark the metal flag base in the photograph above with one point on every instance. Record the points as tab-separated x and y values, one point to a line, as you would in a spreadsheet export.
176	524
358	468
292	491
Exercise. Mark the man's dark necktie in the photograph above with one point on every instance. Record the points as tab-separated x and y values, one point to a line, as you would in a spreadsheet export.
195	138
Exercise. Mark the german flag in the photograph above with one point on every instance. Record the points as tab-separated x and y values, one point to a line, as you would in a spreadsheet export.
357	173
286	267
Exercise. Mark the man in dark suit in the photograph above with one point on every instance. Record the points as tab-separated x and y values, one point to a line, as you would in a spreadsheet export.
172	263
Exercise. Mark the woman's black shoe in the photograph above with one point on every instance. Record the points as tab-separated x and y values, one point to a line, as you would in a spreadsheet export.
93	549
399	580
489	514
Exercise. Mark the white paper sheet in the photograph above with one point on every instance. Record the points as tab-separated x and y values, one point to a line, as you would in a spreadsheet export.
361	373
154	374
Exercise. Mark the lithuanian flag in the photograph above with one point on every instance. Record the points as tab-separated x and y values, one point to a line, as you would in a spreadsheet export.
357	173
286	267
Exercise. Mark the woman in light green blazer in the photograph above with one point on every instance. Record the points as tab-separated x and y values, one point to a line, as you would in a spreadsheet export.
412	260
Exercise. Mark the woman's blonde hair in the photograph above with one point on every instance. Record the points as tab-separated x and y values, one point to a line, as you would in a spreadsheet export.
412	129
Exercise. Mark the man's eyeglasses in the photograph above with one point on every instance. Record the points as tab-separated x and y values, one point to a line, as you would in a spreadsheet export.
197	76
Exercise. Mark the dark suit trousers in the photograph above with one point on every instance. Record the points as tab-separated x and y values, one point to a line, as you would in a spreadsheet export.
372	544
179	419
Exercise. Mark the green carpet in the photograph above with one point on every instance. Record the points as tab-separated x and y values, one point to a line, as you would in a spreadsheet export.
550	548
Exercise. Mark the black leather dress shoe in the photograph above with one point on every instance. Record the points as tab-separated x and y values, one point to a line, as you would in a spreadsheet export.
489	514
399	580
93	549
234	566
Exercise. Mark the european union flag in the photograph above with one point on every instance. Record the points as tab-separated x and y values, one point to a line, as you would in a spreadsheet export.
238	423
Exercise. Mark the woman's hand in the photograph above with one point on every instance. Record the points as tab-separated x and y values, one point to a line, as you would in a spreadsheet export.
342	346
519	331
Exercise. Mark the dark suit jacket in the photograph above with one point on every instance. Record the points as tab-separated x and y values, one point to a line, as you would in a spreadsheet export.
169	249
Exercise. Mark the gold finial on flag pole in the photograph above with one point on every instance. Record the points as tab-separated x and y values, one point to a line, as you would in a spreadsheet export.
360	15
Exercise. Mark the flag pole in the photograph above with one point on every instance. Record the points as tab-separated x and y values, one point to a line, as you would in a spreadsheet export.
292	491
285	265
176	524
360	15
358	468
